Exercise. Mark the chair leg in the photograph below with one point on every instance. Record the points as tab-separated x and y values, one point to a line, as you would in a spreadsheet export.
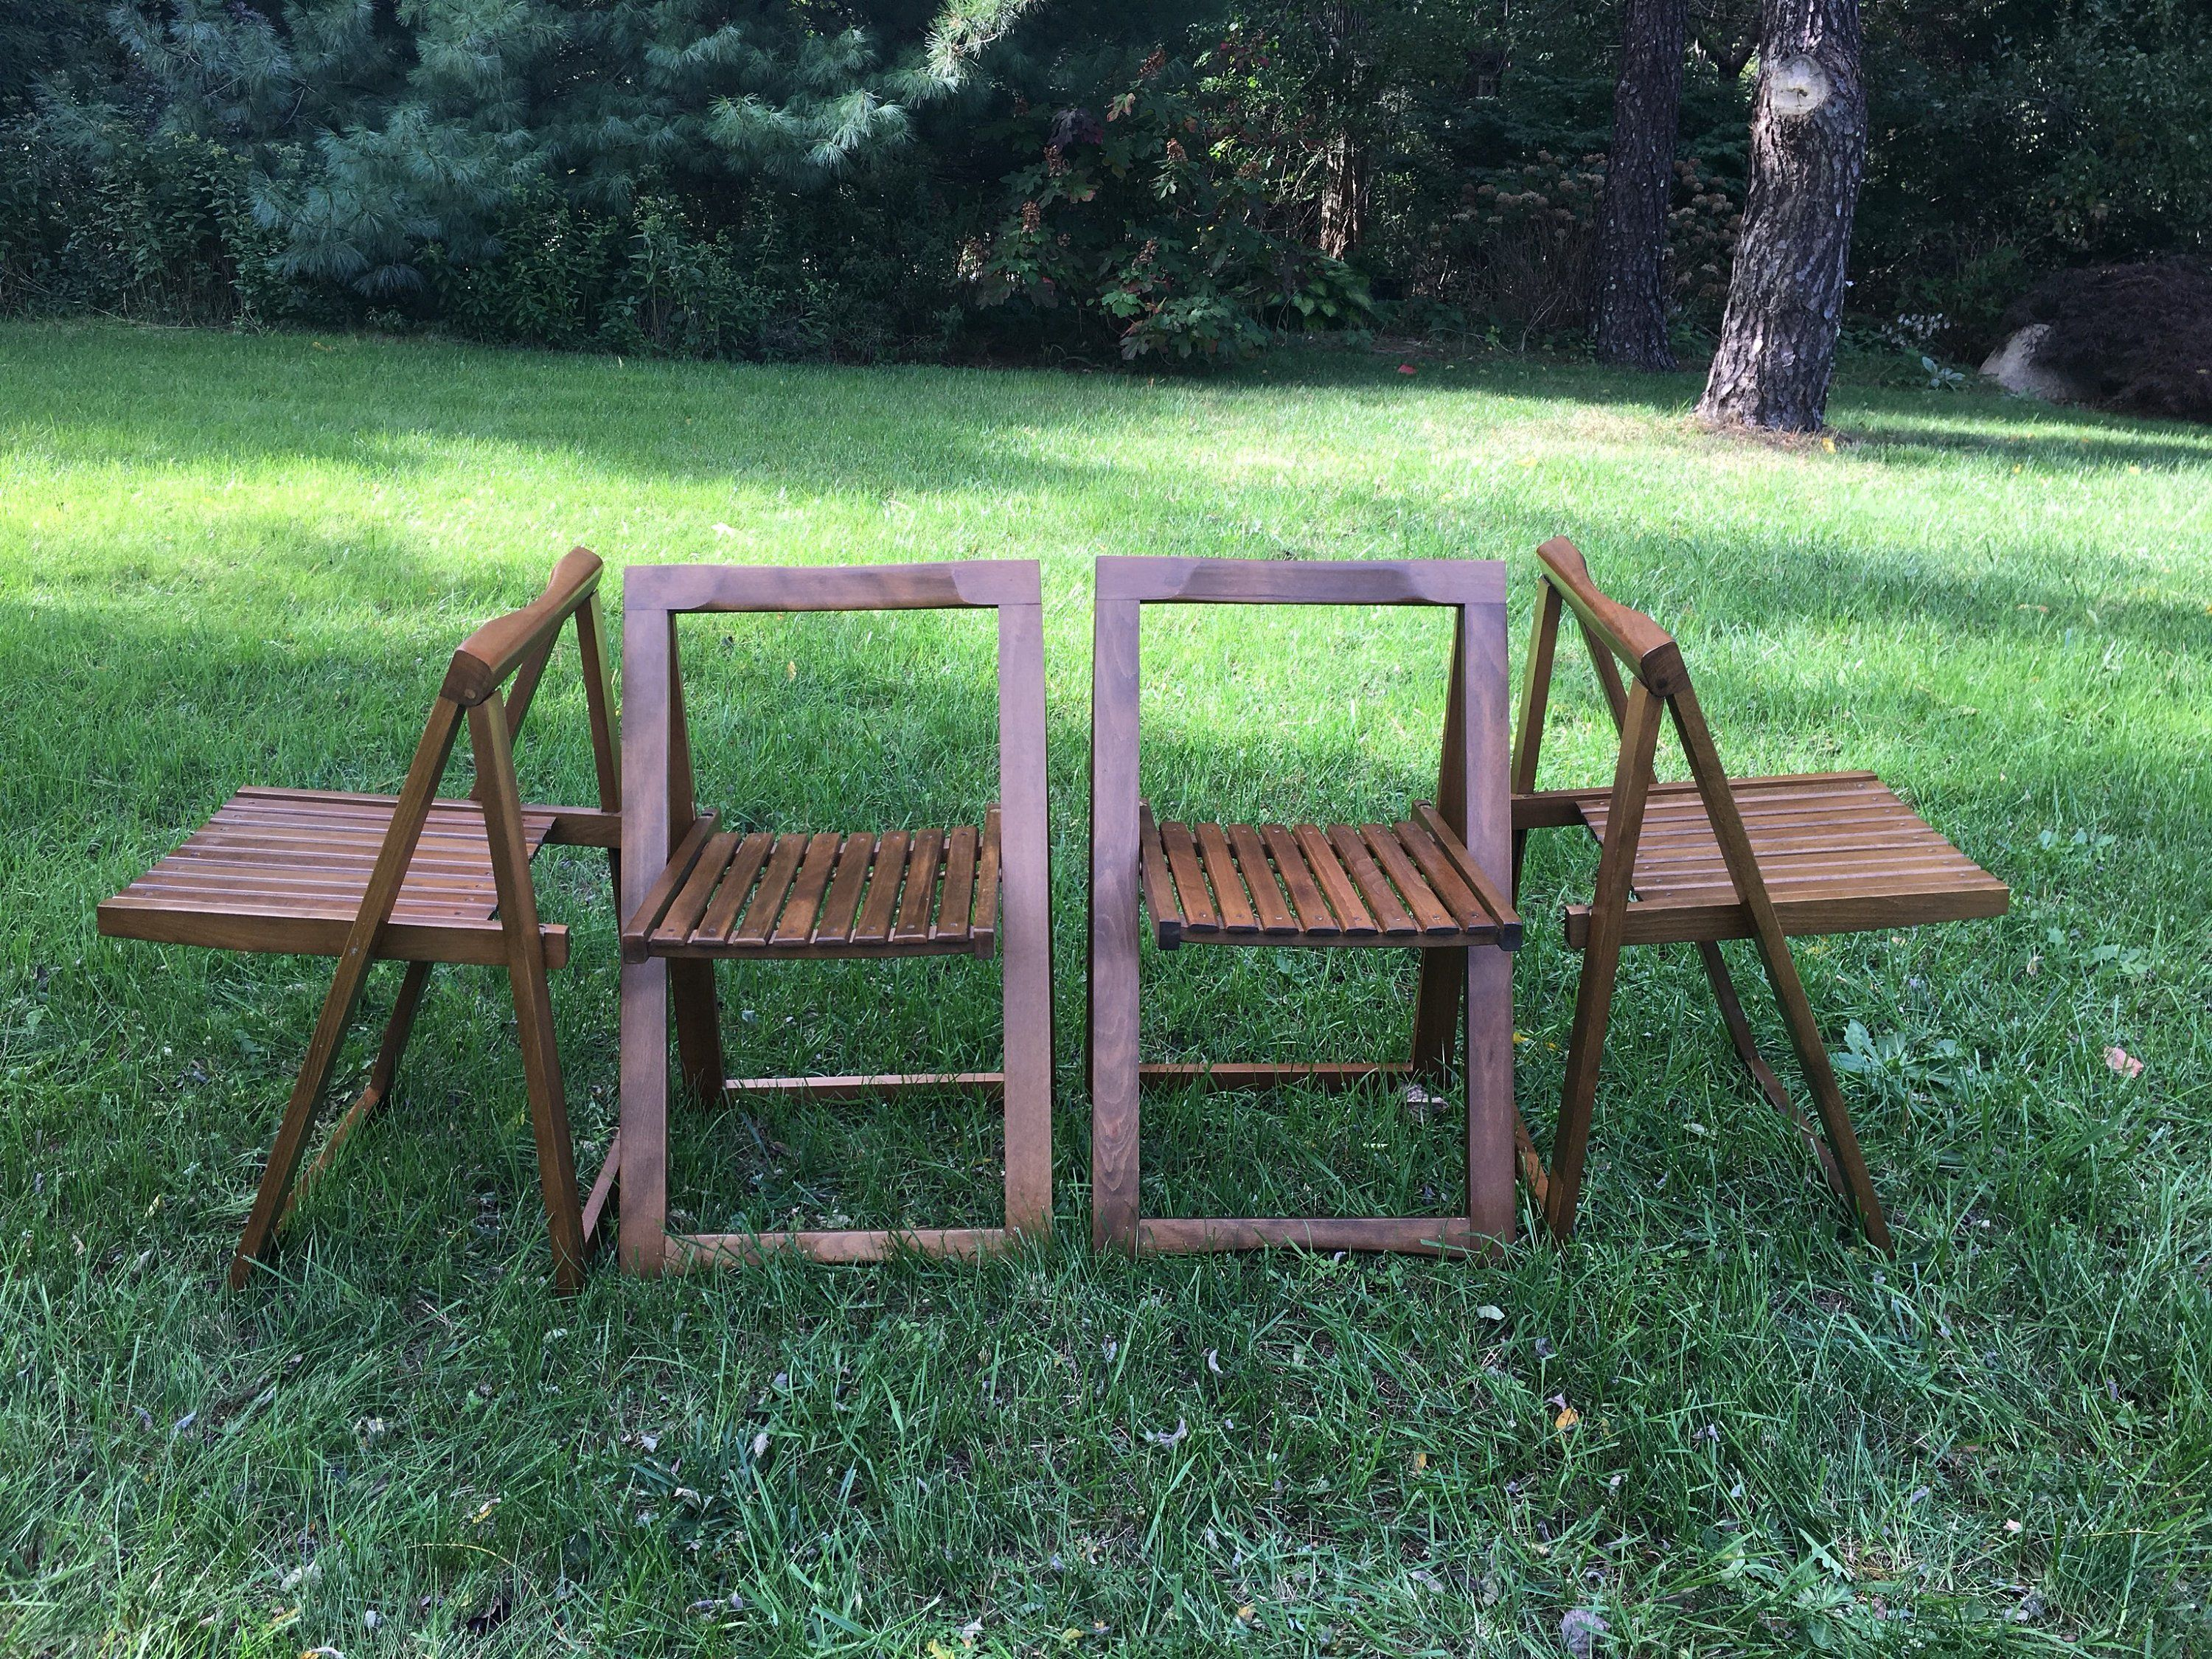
1827	1098
1436	1016
548	1117
382	1074
698	1027
1585	1055
284	1153
1770	1085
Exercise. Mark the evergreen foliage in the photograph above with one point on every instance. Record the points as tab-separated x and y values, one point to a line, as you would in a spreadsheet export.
761	177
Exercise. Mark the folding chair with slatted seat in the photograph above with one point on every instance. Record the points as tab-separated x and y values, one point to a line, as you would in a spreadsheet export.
1715	858
1425	882
410	878
714	895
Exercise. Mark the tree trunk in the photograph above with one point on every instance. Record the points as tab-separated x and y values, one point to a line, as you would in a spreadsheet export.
1344	195
1631	244
1808	140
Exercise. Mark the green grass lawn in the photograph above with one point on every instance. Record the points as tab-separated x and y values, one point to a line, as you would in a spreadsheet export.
226	560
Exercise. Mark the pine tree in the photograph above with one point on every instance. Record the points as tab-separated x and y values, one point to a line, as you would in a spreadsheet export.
373	132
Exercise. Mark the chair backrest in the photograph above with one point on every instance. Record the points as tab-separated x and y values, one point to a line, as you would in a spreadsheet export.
512	648
1472	590
1619	639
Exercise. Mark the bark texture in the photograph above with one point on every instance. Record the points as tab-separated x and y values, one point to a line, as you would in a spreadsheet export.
1344	195
1808	140
1631	248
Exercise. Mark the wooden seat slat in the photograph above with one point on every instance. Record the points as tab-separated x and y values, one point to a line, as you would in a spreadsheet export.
1197	904
1337	886
1260	877
923	862
1383	903
795	925
983	935
1305	895
1443	881
692	899
952	922
459	887
1802	915
729	900
261	901
767	898
1232	904
879	910
841	908
1156	880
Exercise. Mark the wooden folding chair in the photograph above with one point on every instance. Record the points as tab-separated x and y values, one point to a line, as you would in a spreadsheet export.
410	878
1425	883
1713	859
717	896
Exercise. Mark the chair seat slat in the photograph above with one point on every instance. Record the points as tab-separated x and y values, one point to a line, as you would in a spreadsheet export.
923	861
1233	904
1260	877
729	901
767	898
880	908
1389	912
959	893
1198	912
1337	886
795	925
841	908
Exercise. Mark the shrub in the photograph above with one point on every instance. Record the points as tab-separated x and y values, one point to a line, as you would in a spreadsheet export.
1130	222
96	216
1531	236
2139	335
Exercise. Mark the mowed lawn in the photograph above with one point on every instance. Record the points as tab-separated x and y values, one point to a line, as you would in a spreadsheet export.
1717	1423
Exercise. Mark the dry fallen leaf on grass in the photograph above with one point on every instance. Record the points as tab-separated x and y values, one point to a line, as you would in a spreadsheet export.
1566	1419
1580	1629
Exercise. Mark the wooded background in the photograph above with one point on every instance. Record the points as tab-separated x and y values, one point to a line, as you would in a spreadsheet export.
997	178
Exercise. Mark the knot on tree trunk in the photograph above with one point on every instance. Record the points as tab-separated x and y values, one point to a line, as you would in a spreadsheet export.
1795	86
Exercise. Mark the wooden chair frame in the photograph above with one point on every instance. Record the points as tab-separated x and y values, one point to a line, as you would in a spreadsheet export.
1619	638
1468	989
660	811
515	648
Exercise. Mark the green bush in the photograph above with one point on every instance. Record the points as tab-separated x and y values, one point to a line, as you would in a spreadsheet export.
1131	225
97	218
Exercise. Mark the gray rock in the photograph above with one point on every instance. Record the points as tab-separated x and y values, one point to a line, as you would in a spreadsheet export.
2013	366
